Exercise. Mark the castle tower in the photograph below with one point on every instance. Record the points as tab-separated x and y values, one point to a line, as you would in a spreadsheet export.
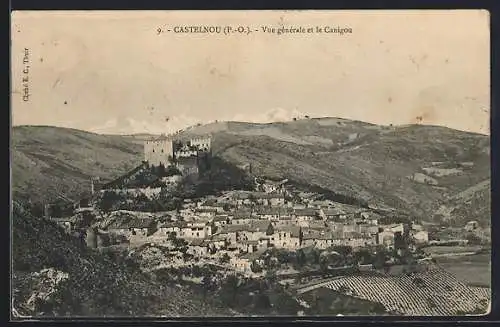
158	151
94	181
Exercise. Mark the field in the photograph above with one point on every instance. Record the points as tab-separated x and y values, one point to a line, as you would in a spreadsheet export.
430	292
474	269
445	250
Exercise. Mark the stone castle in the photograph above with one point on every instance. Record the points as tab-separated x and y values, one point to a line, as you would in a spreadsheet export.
164	150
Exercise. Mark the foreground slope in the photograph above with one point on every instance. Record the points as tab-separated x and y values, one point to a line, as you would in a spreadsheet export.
98	284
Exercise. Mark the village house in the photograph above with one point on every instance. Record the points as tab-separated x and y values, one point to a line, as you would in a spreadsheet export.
471	226
332	214
221	220
205	212
234	233
386	238
275	199
217	242
198	248
367	229
317	224
196	230
357	240
284	221
171	228
171	180
349	228
185	152
288	237
299	206
201	143
258	229
421	237
304	216
269	213
212	204
119	227
142	226
186	212
241	198
334	226
316	238
247	246
67	223
263	242
241	217
243	263
394	228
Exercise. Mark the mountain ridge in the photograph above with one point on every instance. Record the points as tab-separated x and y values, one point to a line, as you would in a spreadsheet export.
415	168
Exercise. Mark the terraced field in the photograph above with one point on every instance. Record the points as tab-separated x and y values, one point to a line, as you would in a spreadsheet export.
431	292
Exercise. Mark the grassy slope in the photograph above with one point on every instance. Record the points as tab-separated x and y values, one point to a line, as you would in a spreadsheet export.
51	160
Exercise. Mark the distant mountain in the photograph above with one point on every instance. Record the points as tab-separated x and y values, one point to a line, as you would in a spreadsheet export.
429	172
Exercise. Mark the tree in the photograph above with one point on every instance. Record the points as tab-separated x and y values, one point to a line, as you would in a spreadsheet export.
271	278
255	267
208	284
363	256
225	259
261	302
380	258
229	290
270	230
160	171
343	250
301	258
473	239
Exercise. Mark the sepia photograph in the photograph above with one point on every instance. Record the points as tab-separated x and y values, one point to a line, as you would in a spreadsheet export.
312	163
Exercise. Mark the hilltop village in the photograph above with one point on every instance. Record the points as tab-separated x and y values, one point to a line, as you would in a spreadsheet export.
186	214
236	228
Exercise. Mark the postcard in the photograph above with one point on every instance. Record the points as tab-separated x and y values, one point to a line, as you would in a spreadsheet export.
250	163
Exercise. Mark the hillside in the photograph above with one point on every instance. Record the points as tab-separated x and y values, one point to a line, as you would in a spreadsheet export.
96	284
378	164
51	160
429	172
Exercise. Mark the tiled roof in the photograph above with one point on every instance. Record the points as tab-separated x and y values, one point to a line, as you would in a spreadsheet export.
315	234
220	218
317	224
258	226
179	224
305	212
197	242
233	228
294	230
141	223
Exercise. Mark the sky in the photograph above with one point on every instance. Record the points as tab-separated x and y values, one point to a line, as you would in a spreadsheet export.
112	72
